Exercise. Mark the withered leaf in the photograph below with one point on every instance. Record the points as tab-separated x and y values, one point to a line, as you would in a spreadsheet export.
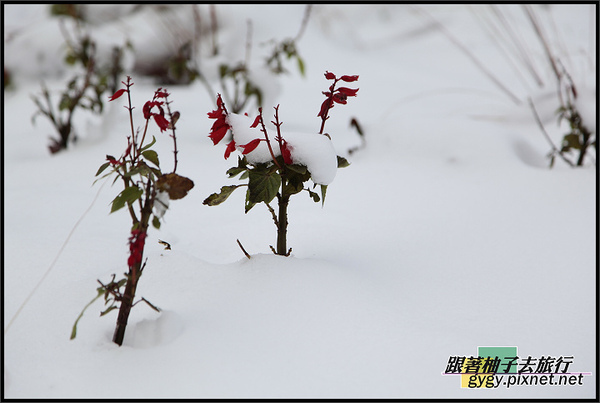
177	186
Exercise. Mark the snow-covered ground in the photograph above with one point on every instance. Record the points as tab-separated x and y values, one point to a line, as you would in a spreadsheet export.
447	232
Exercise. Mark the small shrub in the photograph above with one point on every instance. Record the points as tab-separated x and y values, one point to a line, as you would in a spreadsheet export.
146	194
279	166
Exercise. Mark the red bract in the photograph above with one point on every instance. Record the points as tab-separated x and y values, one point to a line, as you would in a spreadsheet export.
256	122
161	121
117	94
113	161
136	247
248	148
148	108
220	126
230	148
218	131
286	153
349	79
340	98
349	92
329	76
325	106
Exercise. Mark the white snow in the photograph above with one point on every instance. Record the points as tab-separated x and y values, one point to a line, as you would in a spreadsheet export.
316	152
446	233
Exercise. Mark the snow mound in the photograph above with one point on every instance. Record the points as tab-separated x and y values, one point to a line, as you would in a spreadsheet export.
154	332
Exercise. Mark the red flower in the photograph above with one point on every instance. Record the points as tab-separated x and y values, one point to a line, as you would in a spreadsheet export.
220	126
136	247
230	148
117	94
248	148
334	95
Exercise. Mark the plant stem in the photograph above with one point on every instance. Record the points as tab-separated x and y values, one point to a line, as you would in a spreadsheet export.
584	145
135	273
264	130
282	222
126	304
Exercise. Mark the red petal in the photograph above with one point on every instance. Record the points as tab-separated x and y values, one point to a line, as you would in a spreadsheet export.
215	114
146	109
161	94
248	148
230	148
161	122
218	134
340	98
220	103
256	122
349	79
218	124
325	106
349	92
117	94
286	154
329	76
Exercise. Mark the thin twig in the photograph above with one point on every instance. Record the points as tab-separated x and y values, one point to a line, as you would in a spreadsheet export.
304	23
523	52
60	251
273	214
173	119
470	55
555	150
242	248
264	130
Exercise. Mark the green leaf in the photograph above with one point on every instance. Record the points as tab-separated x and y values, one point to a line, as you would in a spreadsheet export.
248	206
342	162
571	141
128	195
241	167
263	185
65	103
301	66
74	330
113	307
102	168
148	145
314	196
323	193
156	222
301	169
151	156
218	198
140	169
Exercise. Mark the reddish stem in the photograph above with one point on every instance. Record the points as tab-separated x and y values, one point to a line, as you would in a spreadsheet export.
329	105
264	130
